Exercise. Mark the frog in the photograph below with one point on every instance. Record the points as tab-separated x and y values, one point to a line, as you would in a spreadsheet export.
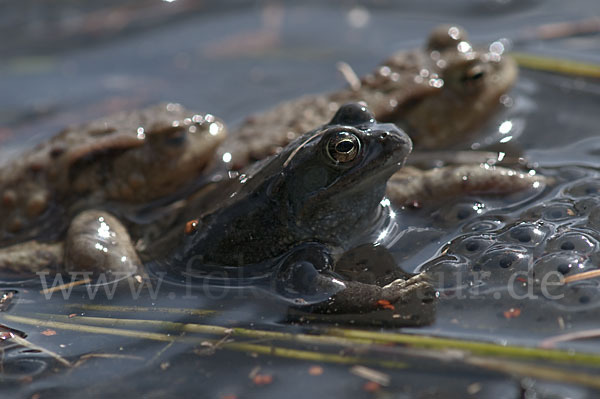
439	94
291	221
293	218
123	162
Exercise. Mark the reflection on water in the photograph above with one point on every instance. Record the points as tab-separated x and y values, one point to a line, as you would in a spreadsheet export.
73	64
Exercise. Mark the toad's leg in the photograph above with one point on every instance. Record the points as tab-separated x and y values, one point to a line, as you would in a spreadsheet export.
31	257
411	186
96	241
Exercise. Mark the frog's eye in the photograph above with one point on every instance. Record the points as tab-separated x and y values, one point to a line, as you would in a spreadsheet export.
343	147
474	76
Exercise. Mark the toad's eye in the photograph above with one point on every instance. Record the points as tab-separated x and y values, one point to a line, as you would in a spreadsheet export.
474	76
176	138
172	136
343	147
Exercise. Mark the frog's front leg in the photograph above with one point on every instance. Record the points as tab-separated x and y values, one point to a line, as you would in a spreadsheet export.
299	275
307	277
357	297
98	242
412	186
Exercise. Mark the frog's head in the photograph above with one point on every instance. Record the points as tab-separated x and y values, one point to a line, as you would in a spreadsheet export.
456	87
335	177
146	155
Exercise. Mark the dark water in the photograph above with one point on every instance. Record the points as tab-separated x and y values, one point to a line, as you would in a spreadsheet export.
69	64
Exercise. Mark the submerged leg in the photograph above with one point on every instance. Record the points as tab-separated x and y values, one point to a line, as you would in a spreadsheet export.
403	302
31	257
359	297
411	186
96	241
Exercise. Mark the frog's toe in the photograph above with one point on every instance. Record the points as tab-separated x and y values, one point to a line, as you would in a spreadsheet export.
402	290
98	242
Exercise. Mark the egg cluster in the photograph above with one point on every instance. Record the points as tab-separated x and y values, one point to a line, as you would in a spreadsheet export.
548	249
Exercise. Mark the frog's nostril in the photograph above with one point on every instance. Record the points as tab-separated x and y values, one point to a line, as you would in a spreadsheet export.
384	135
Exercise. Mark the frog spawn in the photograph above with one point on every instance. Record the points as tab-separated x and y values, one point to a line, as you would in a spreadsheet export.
548	250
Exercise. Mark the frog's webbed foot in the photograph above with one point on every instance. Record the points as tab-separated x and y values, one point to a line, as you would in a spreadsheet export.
98	242
410	186
31	257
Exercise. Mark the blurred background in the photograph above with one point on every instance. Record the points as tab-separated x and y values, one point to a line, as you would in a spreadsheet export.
66	62
63	62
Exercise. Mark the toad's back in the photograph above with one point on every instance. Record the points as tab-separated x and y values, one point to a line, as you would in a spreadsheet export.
130	157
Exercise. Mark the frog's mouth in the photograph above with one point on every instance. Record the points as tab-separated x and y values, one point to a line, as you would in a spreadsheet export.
395	149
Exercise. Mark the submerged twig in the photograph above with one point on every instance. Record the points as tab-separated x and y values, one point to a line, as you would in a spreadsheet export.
342	337
480	348
64	286
137	309
463	350
371	375
30	345
309	355
535	371
582	276
558	65
587	334
559	30
86	357
160	352
210	329
245	347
